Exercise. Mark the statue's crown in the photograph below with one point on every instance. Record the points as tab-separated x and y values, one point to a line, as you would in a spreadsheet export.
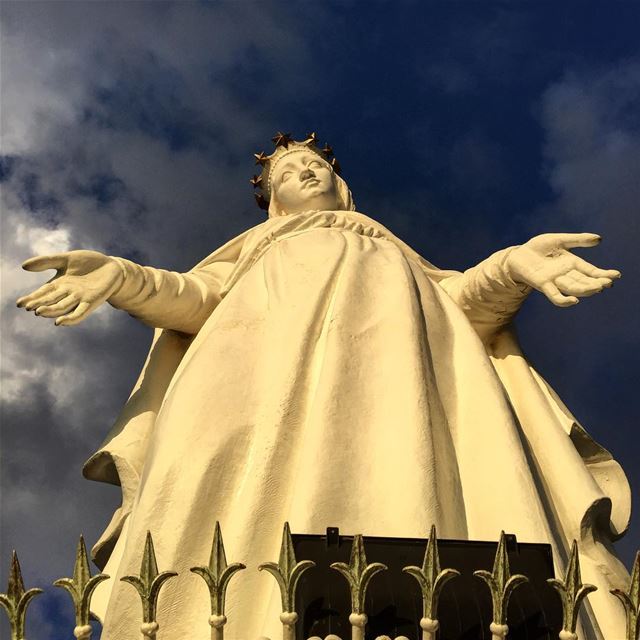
284	145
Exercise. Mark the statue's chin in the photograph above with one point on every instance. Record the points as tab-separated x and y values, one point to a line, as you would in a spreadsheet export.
319	201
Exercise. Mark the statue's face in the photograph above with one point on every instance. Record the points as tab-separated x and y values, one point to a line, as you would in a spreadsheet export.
302	181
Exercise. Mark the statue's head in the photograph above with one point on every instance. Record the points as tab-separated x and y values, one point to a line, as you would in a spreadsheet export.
299	176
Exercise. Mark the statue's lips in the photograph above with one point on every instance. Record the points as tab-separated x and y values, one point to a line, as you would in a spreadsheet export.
310	181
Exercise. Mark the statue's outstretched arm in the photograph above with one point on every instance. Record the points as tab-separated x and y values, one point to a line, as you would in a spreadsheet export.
86	279
487	294
491	293
170	300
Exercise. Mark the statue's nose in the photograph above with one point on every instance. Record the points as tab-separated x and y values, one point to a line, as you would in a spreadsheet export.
307	173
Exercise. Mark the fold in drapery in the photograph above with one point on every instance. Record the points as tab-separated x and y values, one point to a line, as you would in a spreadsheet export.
338	383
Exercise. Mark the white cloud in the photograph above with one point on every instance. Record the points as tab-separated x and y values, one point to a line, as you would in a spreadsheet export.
593	144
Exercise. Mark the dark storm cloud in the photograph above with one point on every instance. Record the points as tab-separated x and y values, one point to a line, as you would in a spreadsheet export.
149	129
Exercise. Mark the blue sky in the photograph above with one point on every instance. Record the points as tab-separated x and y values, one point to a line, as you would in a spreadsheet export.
465	127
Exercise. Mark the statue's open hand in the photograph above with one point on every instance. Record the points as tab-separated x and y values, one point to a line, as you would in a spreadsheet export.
546	264
84	280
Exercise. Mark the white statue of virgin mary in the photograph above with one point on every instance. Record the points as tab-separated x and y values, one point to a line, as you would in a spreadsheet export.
317	370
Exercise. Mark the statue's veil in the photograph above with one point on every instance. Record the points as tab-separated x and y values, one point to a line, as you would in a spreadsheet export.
344	193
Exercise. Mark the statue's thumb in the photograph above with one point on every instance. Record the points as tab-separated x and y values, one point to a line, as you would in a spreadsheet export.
42	263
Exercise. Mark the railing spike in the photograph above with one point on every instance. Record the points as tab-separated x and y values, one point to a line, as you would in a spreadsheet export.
81	587
287	572
16	600
631	601
431	580
217	576
501	585
572	593
148	585
358	574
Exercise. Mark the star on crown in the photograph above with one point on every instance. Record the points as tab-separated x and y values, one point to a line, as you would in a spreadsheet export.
284	144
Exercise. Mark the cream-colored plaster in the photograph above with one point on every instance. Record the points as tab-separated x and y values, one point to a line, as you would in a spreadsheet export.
317	370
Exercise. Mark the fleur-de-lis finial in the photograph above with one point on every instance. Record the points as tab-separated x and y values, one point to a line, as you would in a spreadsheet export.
501	585
148	585
358	574
16	600
287	573
256	181
431	580
217	576
81	587
631	601
572	593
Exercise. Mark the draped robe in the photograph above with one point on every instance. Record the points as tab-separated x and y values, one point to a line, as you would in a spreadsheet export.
317	370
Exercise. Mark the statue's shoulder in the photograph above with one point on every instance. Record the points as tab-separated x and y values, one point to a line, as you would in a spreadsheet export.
230	251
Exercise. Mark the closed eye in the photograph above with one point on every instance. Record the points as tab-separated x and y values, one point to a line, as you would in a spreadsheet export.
285	176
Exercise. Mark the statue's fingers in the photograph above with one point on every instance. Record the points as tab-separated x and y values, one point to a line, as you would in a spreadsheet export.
49	297
573	240
553	293
602	282
590	270
42	263
38	293
68	303
571	285
77	315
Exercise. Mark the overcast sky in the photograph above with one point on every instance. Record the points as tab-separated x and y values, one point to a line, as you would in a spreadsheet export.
129	128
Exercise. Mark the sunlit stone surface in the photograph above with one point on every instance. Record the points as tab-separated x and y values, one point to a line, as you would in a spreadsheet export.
317	370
